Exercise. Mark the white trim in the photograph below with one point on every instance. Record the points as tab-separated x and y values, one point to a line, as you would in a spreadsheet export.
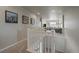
59	37
11	45
60	50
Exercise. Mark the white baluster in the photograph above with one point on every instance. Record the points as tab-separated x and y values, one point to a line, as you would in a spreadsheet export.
45	44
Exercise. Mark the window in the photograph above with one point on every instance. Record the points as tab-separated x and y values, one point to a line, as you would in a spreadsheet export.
53	24
57	23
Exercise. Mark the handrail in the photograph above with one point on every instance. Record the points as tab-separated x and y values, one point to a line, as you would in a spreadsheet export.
37	40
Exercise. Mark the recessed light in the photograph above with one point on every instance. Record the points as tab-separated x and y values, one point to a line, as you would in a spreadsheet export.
53	11
38	13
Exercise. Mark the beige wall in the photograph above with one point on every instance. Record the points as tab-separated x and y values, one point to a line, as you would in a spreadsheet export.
72	29
13	33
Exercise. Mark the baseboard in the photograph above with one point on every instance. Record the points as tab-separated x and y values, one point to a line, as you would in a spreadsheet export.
58	51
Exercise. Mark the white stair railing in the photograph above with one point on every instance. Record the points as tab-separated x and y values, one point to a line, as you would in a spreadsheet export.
49	42
40	41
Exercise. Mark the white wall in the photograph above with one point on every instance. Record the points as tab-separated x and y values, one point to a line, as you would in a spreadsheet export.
60	42
72	29
8	31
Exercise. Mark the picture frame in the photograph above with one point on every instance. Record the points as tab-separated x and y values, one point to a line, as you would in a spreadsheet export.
11	17
25	19
32	21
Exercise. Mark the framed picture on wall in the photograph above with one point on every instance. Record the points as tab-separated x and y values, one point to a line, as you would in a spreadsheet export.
25	19
11	17
32	21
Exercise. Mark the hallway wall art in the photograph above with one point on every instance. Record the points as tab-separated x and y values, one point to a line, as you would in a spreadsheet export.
11	17
32	21
25	19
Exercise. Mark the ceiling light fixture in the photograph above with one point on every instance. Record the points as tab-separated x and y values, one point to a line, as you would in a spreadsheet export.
38	13
53	11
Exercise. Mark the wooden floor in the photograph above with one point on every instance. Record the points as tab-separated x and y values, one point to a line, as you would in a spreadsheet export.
56	51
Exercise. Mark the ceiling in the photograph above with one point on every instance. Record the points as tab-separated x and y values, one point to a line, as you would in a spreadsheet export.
45	11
